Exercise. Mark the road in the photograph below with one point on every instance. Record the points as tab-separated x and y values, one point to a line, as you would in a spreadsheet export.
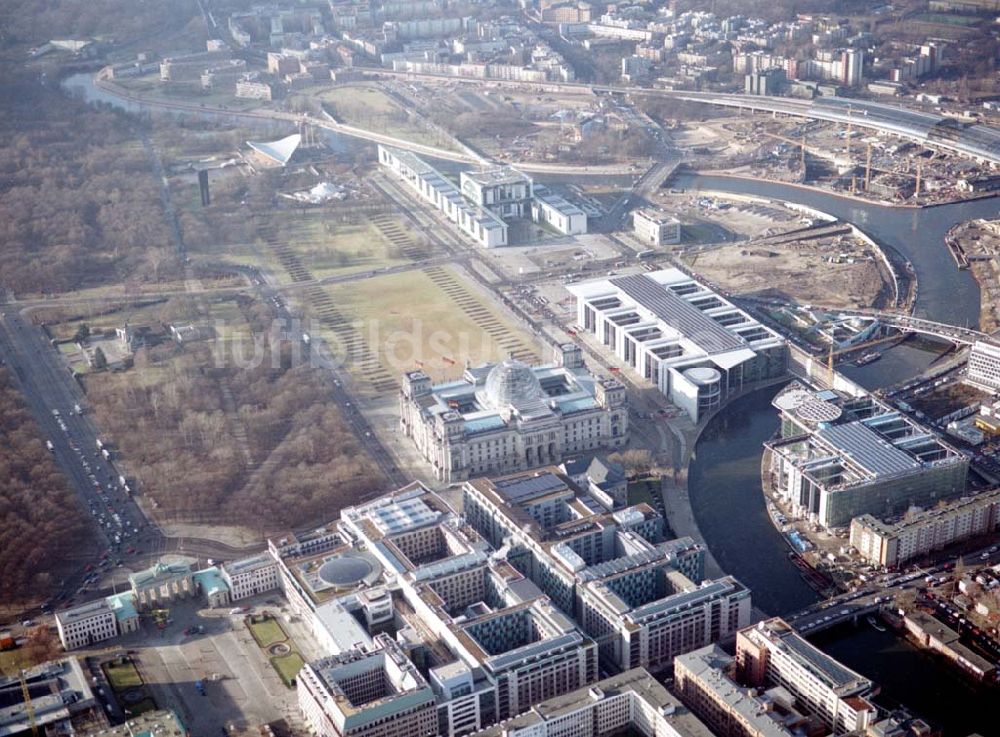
48	388
52	395
246	272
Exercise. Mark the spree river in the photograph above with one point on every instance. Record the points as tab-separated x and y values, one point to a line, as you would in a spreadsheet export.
724	482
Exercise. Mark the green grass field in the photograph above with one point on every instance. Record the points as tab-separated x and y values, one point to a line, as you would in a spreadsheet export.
122	676
288	666
367	107
642	492
139	707
312	240
433	317
267	632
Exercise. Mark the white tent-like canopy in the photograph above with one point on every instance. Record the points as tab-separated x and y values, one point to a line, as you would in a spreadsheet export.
279	151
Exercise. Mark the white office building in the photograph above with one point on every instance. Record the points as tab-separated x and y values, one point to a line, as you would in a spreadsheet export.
251	576
478	223
557	212
503	190
486	199
842	456
84	625
690	342
984	366
656	228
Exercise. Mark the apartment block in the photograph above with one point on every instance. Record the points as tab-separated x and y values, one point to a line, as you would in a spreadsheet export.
705	681
772	654
644	613
632	703
890	545
640	597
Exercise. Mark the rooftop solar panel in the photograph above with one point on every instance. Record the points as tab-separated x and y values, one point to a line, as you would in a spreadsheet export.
525	488
822	664
867	448
679	313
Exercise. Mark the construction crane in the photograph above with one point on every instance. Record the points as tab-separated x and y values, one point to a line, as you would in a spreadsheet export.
28	705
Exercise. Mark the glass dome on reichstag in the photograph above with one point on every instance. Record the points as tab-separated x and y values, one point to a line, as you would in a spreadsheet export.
511	383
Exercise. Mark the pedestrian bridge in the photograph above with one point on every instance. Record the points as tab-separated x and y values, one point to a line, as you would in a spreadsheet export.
910	324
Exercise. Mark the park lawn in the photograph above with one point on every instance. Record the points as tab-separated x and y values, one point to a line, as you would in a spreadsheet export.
409	320
267	632
122	676
288	667
139	707
355	101
642	491
326	247
323	246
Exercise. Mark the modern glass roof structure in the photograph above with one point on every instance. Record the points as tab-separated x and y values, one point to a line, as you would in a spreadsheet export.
512	383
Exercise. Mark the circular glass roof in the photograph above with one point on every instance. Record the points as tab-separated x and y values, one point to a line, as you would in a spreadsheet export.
512	383
346	570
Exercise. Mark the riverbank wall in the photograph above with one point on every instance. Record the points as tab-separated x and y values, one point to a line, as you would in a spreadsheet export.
817	372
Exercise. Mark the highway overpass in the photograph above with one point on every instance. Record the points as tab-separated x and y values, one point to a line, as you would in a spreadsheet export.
978	141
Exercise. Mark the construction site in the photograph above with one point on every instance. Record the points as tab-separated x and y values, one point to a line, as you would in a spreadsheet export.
828	265
975	246
839	158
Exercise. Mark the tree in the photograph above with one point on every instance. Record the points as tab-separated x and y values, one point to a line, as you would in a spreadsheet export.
636	461
959	571
41	645
82	333
906	600
100	360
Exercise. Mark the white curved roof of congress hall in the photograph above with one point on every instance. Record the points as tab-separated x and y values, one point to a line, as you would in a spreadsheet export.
280	151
